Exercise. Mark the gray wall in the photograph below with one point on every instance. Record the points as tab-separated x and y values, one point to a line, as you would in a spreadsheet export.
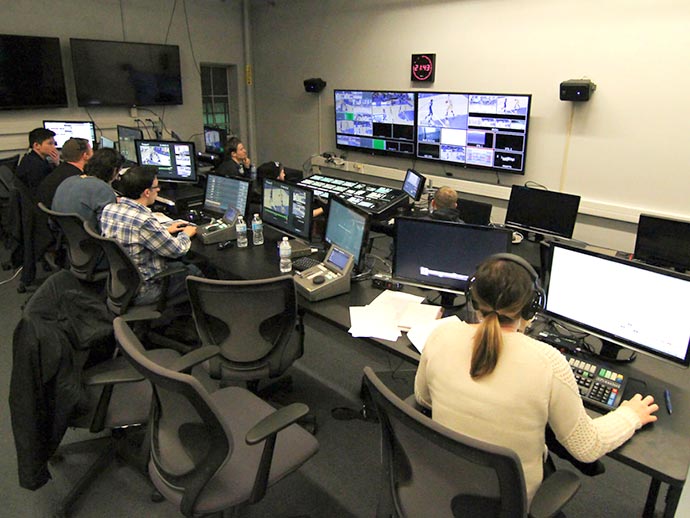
624	151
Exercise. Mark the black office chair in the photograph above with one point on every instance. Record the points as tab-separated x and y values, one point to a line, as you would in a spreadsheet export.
206	451
11	162
84	254
428	466
254	323
6	185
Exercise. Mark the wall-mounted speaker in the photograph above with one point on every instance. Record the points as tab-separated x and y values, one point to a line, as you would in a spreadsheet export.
577	90
314	85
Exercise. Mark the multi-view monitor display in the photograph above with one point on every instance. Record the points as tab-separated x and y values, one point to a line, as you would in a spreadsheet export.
486	131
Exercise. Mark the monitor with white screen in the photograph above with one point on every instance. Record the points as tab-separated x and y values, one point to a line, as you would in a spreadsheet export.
65	130
624	303
175	160
348	228
223	192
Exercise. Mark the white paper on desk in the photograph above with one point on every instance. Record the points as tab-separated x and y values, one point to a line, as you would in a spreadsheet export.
374	322
396	301
162	218
418	335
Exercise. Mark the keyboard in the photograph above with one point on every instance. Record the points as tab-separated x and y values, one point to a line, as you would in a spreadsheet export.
304	263
599	385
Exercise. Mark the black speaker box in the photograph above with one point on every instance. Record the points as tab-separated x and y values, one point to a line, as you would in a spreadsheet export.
314	85
577	90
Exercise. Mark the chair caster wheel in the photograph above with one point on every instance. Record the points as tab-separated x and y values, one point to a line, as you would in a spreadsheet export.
156	497
21	288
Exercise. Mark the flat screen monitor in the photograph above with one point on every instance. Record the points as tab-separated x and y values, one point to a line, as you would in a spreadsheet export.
223	192
175	160
348	228
31	74
65	130
485	131
474	212
413	184
288	208
214	140
376	122
122	73
663	242
443	255
126	137
610	298
541	211
107	143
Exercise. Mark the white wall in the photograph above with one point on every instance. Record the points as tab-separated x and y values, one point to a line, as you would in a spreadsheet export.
216	37
626	150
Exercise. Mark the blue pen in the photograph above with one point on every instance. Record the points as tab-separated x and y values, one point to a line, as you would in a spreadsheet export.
667	398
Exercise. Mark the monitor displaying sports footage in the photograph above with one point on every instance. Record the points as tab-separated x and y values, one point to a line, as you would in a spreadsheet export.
375	122
348	228
287	207
541	211
601	294
663	242
443	255
175	160
413	185
126	137
65	130
487	131
223	192
214	140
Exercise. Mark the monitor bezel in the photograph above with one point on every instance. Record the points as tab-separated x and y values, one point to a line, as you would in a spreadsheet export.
359	261
568	234
193	178
92	124
308	216
650	225
239	179
417	194
606	336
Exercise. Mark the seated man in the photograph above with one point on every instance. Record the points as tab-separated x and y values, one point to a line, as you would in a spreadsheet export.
444	205
41	160
76	152
87	194
148	242
236	163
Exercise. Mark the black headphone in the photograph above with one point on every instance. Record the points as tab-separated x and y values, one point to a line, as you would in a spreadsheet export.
538	299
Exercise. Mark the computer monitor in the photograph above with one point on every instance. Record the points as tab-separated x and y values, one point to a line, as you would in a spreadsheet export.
624	303
413	185
348	228
107	143
214	140
223	192
126	137
474	212
175	160
288	208
443	255
542	211
663	242
65	130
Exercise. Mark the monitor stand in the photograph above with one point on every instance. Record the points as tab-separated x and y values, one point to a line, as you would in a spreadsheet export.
448	300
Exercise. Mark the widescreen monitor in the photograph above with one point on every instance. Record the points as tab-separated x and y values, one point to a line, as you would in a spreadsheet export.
376	122
542	211
214	140
31	74
413	185
107	143
126	137
175	160
288	208
223	192
443	255
602	295
486	131
663	242
65	130
123	73
348	228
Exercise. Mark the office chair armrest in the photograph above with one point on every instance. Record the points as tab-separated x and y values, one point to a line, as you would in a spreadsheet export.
195	357
168	272
135	314
555	491
278	420
112	377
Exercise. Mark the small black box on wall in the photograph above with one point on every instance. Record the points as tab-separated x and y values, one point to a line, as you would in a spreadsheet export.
577	90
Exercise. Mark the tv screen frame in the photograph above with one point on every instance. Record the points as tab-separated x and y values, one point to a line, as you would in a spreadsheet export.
81	129
126	73
31	73
125	151
522	213
222	138
163	175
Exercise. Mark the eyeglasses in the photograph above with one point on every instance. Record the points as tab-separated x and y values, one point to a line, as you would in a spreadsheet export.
155	188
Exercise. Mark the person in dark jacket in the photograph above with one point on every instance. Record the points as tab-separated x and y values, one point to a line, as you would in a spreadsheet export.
444	205
41	160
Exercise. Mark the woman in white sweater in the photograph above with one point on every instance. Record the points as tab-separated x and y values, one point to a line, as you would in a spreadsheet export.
492	382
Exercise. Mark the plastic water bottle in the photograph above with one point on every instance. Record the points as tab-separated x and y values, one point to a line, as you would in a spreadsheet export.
252	173
241	229
285	251
257	230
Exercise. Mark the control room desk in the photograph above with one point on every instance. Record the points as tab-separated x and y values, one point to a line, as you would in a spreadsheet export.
661	450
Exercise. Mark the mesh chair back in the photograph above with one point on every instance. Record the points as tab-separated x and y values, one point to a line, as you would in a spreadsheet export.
124	278
6	181
428	466
252	322
10	162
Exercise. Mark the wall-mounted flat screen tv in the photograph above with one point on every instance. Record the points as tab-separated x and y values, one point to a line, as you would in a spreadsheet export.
31	74
121	73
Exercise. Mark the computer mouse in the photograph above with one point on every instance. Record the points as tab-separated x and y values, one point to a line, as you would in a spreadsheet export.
193	215
318	279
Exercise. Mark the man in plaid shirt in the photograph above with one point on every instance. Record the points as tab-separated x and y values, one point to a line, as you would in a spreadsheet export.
150	244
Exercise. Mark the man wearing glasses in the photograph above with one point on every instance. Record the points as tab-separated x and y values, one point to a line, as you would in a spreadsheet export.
147	241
